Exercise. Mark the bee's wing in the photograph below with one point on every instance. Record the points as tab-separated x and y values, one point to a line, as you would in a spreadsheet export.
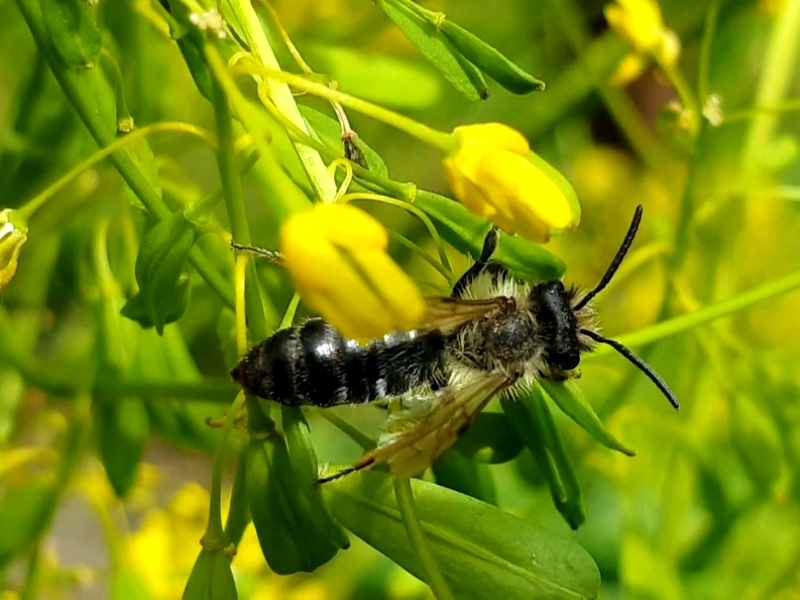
448	314
453	411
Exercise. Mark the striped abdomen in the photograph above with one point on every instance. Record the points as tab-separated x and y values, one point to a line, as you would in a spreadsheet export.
313	364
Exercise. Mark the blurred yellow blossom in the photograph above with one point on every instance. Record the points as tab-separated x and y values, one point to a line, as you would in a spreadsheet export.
492	173
639	23
158	550
13	234
337	256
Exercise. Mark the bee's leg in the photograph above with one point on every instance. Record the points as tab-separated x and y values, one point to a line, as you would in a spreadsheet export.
489	246
271	255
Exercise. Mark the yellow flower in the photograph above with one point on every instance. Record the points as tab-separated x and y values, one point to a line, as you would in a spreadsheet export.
495	175
13	230
639	23
636	21
337	255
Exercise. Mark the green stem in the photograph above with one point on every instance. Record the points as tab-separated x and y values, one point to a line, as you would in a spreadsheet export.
706	315
35	203
362	439
215	537
779	64
709	26
234	203
775	109
408	510
282	96
445	142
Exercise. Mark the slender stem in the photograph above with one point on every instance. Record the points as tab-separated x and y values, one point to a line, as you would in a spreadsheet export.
362	439
40	199
706	315
282	96
749	113
779	68
444	142
414	211
405	502
709	26
215	534
234	204
428	258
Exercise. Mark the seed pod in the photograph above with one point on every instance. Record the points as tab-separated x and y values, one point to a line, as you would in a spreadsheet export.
211	578
162	274
285	524
489	60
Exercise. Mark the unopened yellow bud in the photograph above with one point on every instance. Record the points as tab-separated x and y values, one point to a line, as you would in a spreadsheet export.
13	234
636	21
337	256
639	23
495	175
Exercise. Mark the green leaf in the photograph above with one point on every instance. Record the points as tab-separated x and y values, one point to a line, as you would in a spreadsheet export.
483	552
457	472
492	438
535	425
73	31
490	60
433	46
466	232
211	578
330	133
122	427
570	399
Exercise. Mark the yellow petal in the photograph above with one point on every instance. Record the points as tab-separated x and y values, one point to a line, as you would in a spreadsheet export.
496	135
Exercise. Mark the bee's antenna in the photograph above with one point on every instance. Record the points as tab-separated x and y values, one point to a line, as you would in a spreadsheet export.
640	364
623	250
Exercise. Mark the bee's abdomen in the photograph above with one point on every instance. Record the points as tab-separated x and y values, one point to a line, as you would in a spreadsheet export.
313	364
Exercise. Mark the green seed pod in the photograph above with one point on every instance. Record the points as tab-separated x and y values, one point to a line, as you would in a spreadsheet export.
285	523
306	469
211	578
489	60
162	274
73	31
571	401
491	439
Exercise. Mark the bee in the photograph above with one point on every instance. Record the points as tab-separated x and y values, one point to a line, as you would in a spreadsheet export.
494	335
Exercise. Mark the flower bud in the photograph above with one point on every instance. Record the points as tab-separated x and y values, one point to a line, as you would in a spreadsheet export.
337	256
495	175
13	234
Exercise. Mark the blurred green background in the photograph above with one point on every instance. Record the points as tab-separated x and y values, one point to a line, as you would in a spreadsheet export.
710	505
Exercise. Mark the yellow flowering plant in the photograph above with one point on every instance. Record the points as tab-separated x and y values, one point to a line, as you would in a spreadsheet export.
157	148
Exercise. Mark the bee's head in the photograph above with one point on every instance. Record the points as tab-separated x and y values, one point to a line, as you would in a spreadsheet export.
558	323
